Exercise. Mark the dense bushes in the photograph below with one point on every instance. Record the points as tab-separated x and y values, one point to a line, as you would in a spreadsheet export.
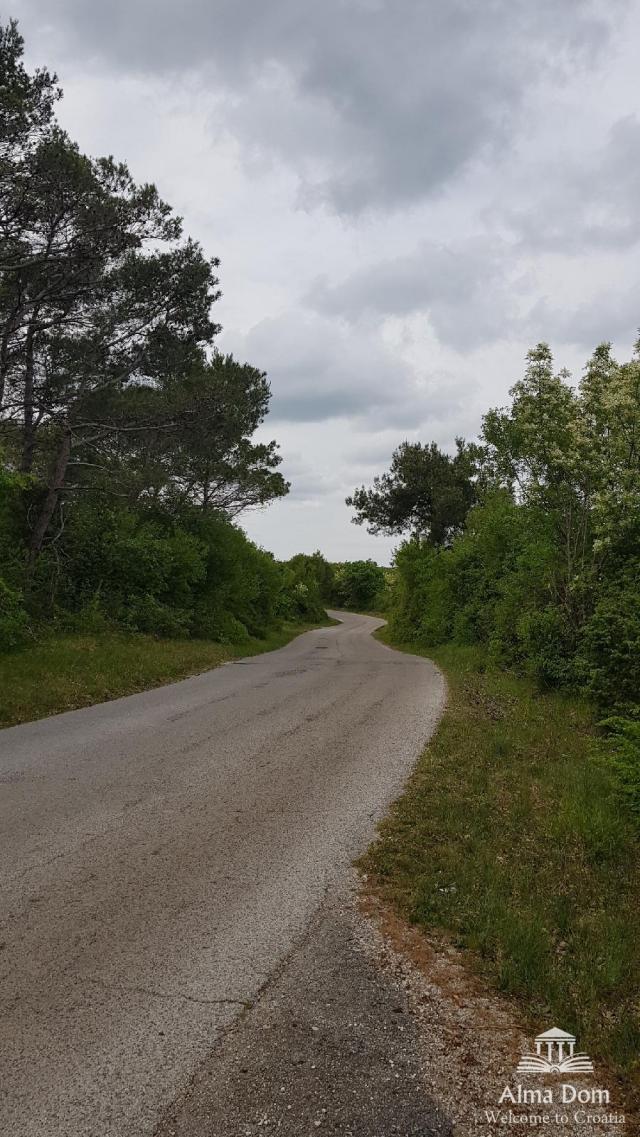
354	585
544	573
184	573
608	663
308	585
167	569
620	751
14	621
492	586
359	585
545	570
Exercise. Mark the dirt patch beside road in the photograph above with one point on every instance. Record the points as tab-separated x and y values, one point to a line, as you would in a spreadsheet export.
368	1030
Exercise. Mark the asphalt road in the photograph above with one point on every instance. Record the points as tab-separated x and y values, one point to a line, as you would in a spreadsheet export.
162	855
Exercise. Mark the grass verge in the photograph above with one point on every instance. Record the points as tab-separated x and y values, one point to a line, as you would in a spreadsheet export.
514	842
63	672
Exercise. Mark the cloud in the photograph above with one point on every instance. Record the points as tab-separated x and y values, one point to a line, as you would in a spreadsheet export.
611	317
405	195
319	371
468	292
587	199
375	453
375	104
308	482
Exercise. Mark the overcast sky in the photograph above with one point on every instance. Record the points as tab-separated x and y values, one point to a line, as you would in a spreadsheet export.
404	194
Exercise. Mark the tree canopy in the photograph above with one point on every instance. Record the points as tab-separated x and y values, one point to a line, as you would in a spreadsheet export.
544	570
126	438
109	378
426	492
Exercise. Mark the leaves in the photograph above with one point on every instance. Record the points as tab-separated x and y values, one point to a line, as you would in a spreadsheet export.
426	492
545	571
109	382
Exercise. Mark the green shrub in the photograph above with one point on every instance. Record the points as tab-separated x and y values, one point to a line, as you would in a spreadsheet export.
146	614
316	573
608	662
188	573
412	593
15	491
299	599
620	750
359	585
14	621
494	586
545	643
91	618
223	627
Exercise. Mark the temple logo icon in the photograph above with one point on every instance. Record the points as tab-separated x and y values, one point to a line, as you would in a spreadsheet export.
555	1054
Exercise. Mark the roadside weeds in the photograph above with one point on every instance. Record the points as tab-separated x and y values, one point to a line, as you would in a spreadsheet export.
65	672
470	1036
511	845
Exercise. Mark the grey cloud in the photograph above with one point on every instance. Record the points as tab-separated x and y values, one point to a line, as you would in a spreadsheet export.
319	369
614	315
584	203
373	103
371	454
469	292
307	483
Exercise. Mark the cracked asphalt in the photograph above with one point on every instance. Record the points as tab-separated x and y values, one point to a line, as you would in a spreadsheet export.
331	1045
162	856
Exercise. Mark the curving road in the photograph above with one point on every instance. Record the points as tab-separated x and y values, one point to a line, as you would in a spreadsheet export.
162	854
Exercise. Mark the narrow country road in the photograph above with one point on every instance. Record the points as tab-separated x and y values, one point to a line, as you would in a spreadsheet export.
162	854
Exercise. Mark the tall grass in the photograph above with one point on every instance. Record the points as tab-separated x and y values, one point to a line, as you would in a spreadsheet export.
517	843
62	672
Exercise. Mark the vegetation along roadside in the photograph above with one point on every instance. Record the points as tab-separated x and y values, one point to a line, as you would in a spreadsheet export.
518	571
61	673
127	439
513	839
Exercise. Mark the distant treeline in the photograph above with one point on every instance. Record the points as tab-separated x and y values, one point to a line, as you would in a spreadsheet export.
360	586
528	542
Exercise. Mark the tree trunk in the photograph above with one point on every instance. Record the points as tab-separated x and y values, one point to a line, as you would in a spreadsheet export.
5	341
28	427
51	499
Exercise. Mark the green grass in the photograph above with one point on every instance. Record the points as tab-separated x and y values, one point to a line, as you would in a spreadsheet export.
62	672
514	842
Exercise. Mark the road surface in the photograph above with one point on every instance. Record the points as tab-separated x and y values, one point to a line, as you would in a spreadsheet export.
161	855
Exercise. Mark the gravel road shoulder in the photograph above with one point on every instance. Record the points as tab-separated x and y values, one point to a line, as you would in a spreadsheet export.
369	1029
330	1046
